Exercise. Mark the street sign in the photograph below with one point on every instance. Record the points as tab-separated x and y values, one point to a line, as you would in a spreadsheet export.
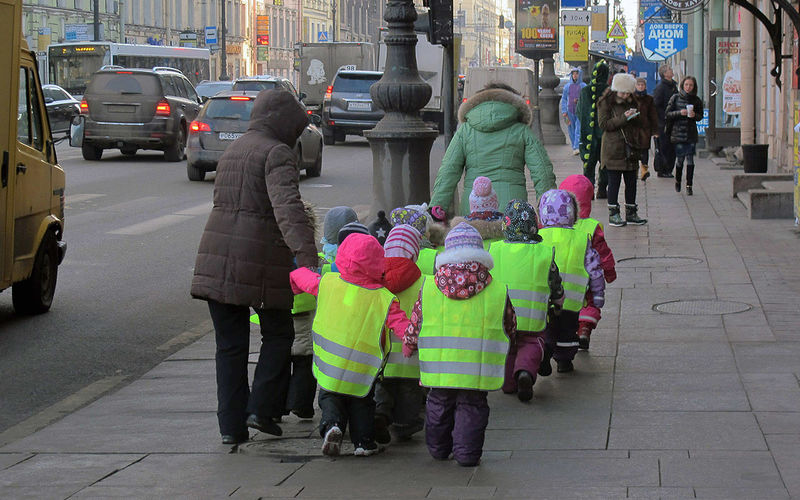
663	40
605	46
599	22
576	43
573	4
322	36
617	31
576	18
702	125
211	35
77	32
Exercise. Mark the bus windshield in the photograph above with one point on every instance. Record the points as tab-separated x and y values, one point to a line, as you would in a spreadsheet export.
72	67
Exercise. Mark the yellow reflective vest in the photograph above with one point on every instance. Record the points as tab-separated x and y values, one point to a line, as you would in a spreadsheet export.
462	344
587	225
426	262
348	331
397	365
570	245
524	267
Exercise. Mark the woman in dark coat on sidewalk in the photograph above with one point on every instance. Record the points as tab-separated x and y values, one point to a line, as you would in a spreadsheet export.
256	225
625	135
684	110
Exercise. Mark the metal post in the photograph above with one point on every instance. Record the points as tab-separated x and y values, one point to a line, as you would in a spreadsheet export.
549	100
536	122
121	21
96	8
333	17
401	142
448	94
223	52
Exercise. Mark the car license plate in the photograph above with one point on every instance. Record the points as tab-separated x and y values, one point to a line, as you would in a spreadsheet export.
229	136
359	106
119	108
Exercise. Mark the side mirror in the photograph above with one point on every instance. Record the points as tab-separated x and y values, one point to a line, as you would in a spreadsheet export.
303	95
315	119
76	131
48	100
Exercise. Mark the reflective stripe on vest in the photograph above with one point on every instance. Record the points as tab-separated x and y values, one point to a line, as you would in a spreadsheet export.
397	365
462	344
570	248
587	225
347	334
524	267
426	262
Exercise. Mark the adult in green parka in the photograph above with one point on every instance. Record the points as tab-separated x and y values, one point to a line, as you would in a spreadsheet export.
494	140
591	133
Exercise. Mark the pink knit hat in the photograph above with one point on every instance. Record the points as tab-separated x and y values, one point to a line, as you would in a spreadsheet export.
403	241
483	198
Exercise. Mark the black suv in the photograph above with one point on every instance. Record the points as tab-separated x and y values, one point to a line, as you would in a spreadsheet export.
347	107
134	109
264	82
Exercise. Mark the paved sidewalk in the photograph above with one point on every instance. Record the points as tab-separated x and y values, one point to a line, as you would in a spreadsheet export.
662	406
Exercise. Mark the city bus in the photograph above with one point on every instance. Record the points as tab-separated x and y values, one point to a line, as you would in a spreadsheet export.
70	65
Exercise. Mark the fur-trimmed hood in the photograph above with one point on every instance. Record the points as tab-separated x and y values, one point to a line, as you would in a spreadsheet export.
500	110
489	229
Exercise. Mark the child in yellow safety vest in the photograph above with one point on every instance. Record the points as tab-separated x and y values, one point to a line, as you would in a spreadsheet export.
335	219
460	324
398	395
582	188
484	214
355	317
579	265
527	267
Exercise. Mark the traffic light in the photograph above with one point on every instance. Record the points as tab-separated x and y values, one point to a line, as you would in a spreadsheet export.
441	21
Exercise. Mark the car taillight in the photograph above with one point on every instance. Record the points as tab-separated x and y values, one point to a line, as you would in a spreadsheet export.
162	108
196	126
240	98
84	107
328	92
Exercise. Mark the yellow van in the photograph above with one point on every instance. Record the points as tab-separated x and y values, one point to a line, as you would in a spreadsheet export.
31	181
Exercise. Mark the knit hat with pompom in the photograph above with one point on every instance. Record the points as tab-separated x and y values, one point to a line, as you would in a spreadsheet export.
483	198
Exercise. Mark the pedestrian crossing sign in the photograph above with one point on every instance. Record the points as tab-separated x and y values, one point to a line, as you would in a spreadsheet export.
322	36
617	31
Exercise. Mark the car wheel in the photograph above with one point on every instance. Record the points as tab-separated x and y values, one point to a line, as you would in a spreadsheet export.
195	173
91	153
175	152
128	151
316	170
328	138
35	294
339	136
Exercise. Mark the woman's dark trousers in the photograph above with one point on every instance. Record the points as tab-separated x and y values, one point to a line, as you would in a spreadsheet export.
235	401
615	177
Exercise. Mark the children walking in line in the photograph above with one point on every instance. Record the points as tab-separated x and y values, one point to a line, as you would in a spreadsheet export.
483	212
528	268
398	395
589	315
355	317
579	265
461	324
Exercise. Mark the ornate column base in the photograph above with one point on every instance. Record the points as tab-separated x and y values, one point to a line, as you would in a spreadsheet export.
549	103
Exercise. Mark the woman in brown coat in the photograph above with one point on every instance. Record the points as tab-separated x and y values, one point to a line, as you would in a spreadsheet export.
257	225
625	135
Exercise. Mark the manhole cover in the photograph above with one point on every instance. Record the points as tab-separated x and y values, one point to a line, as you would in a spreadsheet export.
702	307
658	261
284	450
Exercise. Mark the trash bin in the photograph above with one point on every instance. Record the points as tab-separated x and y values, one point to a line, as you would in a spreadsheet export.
755	158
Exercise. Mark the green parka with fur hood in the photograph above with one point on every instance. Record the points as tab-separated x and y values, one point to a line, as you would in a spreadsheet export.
494	140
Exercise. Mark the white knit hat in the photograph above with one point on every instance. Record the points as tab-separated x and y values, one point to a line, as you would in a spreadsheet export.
623	82
403	241
483	197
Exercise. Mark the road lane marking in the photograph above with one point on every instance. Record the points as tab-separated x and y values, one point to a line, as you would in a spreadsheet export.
61	409
203	209
151	225
311	185
132	205
80	198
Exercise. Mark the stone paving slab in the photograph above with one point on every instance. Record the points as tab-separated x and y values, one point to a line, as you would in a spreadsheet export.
778	422
785	449
10	459
757	471
660	493
584	472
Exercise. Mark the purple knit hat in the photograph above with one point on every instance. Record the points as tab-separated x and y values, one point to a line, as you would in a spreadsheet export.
464	244
558	208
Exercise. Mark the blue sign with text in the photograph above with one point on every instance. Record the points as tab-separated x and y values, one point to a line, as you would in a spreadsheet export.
573	4
663	40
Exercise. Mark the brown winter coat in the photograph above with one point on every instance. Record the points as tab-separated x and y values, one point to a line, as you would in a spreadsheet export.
257	221
649	114
611	118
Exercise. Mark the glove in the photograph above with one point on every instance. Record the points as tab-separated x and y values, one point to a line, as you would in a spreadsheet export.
599	300
554	280
438	213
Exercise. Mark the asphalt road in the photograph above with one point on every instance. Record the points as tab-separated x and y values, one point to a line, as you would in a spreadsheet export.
132	229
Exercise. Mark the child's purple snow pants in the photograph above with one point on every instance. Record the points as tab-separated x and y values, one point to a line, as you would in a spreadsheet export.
456	422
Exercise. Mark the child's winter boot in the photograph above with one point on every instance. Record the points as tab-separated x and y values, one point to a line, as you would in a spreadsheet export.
584	331
631	216
614	218
525	386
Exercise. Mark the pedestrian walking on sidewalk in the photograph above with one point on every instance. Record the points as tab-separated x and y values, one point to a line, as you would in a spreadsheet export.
665	89
355	317
246	253
684	110
527	266
625	134
494	140
461	324
581	273
569	105
591	133
650	116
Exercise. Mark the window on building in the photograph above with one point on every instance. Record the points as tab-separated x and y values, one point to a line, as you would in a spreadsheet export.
177	16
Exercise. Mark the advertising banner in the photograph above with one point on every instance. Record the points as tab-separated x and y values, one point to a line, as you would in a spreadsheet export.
262	30
576	43
537	25
728	54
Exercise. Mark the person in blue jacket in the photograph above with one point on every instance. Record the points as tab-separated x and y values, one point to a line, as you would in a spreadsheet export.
569	103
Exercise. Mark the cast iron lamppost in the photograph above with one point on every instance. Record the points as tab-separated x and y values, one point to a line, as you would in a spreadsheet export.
223	52
401	142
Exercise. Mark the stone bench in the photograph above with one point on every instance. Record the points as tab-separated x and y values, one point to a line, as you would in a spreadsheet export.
766	196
